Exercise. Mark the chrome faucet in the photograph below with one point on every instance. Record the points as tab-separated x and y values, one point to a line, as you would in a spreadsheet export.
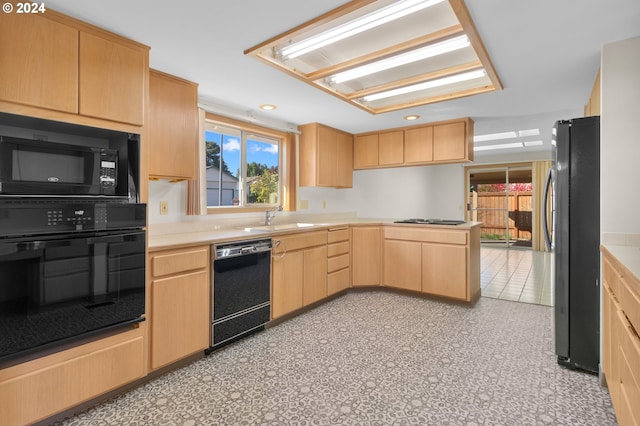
269	214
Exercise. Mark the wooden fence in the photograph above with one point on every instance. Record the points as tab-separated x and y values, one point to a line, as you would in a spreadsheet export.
492	207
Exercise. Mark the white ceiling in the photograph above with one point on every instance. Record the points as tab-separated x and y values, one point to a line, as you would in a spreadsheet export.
546	52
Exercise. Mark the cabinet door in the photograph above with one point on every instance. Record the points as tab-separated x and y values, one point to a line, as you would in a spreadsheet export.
38	62
449	142
365	151
366	255
628	409
286	284
418	145
315	275
344	175
402	264
442	273
327	161
391	148
112	79
173	127
180	317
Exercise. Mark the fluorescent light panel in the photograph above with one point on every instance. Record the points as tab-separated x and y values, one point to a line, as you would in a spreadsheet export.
498	146
366	22
533	143
426	85
530	132
495	136
403	59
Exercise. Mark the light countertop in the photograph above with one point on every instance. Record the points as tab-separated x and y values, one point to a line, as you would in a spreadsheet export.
197	234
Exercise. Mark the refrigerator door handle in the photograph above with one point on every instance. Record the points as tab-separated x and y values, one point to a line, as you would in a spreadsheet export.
545	208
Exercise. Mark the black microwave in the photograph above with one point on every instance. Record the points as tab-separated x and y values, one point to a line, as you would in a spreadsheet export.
50	169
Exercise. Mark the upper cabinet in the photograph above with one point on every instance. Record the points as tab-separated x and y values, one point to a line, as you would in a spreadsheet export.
326	156
435	143
173	127
57	63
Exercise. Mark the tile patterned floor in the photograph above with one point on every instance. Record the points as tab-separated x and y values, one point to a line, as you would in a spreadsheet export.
376	358
516	274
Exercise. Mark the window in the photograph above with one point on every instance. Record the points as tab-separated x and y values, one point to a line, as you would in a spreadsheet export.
242	167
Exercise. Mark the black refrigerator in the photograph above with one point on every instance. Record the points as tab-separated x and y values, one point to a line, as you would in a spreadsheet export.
575	177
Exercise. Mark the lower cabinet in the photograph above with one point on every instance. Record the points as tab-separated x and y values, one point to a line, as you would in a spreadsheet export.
299	271
620	338
338	260
441	262
443	273
366	255
402	264
180	304
37	389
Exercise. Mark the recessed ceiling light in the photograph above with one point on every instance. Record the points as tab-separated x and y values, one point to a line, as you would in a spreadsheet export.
411	117
267	107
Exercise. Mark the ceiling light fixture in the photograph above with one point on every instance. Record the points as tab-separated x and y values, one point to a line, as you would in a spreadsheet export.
426	85
530	132
498	146
495	136
411	117
267	107
533	143
403	59
366	22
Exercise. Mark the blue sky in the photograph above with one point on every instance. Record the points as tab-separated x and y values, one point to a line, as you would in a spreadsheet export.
260	152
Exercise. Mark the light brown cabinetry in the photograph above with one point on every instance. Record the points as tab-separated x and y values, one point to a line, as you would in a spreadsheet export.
435	143
402	264
54	62
180	304
391	148
338	260
299	271
441	262
38	62
365	151
173	127
326	156
418	145
620	339
37	389
366	255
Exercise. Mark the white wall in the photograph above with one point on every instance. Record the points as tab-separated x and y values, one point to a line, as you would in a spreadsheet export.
620	137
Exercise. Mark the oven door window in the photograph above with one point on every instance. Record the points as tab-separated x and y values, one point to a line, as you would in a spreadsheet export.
56	289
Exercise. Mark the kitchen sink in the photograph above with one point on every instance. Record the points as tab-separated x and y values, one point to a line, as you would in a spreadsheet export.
279	227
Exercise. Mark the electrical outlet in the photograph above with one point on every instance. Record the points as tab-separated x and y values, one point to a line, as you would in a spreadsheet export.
324	204
304	204
164	207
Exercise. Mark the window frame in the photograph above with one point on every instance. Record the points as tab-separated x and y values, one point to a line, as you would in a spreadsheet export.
286	168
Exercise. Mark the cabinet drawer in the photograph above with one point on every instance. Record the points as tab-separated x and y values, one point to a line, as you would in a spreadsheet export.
338	248
630	301
338	235
36	394
300	241
338	281
426	235
338	262
172	262
628	410
611	276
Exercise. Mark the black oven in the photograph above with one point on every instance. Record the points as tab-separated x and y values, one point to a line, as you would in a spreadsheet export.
68	270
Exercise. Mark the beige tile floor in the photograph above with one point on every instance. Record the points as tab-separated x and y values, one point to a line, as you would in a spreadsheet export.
517	274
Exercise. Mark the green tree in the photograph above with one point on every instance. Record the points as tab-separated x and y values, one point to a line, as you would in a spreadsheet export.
263	182
213	157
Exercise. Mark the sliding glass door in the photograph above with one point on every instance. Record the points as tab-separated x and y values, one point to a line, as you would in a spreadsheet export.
501	198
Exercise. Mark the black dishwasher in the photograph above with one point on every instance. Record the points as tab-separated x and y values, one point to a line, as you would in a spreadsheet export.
241	283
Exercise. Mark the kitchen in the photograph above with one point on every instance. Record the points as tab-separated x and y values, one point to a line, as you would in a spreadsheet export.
375	193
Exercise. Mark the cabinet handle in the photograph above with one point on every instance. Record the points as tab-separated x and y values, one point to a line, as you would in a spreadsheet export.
276	244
